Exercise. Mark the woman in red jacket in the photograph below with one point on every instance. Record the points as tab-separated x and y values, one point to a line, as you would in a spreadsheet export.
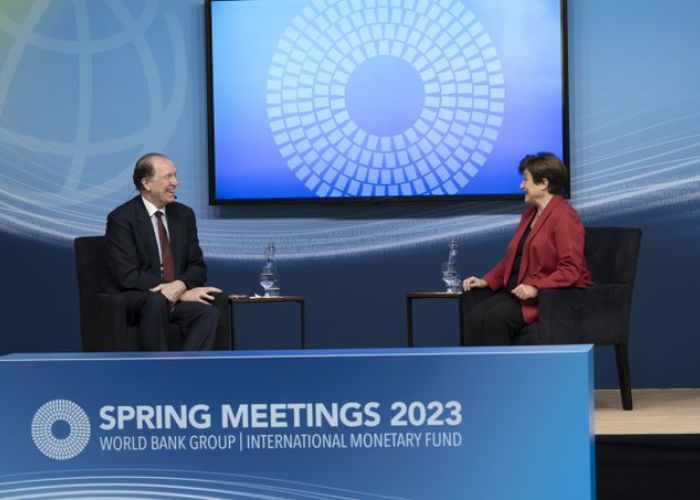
546	251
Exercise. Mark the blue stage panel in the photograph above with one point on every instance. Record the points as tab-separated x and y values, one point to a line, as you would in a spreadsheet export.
491	423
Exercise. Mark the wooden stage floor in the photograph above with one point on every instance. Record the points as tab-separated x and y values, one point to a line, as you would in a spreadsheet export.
656	411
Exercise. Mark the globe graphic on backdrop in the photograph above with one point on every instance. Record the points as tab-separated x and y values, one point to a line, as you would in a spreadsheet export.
87	86
118	83
110	100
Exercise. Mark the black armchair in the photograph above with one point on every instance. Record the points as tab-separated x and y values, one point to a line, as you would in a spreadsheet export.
599	314
103	319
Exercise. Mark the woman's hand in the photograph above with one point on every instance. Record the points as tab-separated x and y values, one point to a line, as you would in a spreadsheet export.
524	292
473	282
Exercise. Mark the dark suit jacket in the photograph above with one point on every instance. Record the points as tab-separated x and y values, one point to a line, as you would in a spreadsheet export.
552	255
133	252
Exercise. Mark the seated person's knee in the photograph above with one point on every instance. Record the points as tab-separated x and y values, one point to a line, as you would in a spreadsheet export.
157	300
212	313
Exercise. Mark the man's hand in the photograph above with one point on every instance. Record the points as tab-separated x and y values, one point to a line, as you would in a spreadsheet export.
473	282
524	292
201	294
172	291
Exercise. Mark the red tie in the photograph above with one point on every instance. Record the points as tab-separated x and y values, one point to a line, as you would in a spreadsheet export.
168	264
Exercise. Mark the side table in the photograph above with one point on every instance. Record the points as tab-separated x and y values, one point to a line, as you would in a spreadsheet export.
235	300
410	297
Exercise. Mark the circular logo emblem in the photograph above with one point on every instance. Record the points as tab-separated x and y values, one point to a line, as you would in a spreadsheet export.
60	429
400	98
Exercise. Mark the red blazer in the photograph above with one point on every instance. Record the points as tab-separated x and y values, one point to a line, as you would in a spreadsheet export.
552	254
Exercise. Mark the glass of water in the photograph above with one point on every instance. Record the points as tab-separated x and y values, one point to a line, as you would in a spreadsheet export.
267	279
274	290
451	277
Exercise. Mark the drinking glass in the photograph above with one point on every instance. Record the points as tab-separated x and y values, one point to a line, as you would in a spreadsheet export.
274	290
267	278
451	277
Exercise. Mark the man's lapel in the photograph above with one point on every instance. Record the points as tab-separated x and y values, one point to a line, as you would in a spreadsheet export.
176	236
148	236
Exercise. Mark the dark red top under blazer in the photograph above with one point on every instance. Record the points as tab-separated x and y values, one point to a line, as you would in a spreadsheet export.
552	255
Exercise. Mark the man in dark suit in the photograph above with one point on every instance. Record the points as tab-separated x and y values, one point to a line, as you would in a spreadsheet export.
155	259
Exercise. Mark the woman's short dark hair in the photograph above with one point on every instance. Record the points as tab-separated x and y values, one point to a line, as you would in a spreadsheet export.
144	169
545	166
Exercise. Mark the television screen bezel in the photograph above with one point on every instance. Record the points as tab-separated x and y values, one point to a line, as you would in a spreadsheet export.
363	200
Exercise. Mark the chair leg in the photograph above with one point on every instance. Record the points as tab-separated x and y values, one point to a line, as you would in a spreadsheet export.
623	375
461	324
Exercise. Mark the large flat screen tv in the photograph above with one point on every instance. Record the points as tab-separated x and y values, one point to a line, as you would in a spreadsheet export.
377	100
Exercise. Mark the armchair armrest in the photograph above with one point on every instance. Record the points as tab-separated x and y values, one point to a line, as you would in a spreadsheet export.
560	316
222	341
466	302
102	321
606	315
597	314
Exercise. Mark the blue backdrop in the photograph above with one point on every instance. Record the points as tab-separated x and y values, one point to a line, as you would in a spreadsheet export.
87	86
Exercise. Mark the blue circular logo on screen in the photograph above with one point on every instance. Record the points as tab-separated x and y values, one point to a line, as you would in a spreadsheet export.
60	429
404	98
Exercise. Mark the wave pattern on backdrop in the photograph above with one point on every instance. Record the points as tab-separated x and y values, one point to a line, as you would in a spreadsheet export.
121	73
170	483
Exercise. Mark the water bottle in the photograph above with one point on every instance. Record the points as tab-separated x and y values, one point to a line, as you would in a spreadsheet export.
452	258
268	276
450	274
270	255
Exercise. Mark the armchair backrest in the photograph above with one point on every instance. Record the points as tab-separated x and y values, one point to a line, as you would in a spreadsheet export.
612	254
91	264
